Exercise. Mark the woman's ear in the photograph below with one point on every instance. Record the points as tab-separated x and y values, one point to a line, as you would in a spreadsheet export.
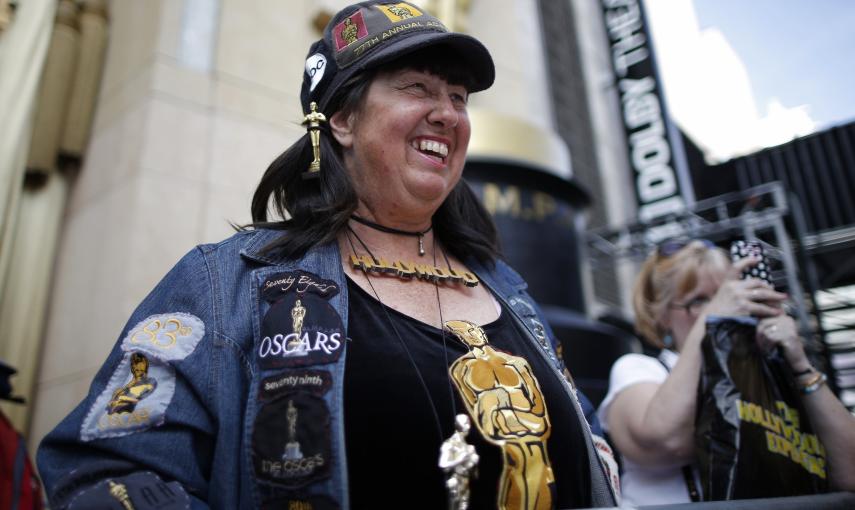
341	125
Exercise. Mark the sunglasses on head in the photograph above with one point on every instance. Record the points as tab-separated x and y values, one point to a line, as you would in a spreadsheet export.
671	246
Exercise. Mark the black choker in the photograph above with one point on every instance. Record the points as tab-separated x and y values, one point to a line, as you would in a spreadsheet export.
390	230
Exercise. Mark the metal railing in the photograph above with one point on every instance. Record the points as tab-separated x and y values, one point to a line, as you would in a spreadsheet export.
764	213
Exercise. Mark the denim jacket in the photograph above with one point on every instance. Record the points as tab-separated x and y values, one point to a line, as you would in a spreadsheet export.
174	425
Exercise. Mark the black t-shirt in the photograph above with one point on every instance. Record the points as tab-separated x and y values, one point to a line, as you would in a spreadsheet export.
391	434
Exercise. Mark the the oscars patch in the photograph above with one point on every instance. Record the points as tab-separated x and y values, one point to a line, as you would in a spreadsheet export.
299	282
291	440
399	12
135	398
300	330
349	31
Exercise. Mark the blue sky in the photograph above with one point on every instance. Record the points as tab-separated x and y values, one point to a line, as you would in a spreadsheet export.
800	51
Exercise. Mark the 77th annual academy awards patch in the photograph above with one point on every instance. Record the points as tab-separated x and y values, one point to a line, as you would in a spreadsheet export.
135	398
300	330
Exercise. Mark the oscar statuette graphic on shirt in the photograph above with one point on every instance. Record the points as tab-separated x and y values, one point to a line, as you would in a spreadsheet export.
506	404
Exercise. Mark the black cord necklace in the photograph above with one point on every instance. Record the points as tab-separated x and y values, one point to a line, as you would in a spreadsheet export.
404	344
457	458
390	230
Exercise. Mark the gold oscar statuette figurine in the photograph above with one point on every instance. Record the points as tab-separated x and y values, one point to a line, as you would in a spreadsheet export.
312	121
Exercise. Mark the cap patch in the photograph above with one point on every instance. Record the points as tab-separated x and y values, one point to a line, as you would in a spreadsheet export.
291	440
349	31
399	11
315	67
167	336
371	34
135	398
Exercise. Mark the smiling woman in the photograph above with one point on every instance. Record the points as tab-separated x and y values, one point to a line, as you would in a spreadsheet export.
405	146
340	357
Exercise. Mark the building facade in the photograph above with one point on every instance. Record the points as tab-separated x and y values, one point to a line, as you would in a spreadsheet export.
193	99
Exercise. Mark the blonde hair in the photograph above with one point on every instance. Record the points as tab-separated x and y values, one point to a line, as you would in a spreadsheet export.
664	278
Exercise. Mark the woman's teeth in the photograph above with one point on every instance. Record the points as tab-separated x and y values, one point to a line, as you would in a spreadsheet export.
432	146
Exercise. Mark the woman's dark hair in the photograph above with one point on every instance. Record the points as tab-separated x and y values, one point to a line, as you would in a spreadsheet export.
315	210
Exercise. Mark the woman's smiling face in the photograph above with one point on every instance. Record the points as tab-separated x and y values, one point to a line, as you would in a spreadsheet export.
405	146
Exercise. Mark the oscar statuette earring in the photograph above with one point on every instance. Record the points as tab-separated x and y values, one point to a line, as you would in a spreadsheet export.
312	121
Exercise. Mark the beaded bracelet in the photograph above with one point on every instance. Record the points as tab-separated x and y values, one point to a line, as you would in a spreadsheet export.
814	384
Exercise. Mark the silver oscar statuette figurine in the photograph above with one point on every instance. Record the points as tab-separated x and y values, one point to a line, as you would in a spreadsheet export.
458	458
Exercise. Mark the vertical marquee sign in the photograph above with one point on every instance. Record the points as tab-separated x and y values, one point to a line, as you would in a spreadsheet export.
662	181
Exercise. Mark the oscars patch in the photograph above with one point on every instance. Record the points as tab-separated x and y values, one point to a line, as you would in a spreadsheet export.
300	330
135	398
299	282
298	502
142	490
316	382
167	336
349	31
399	12
291	440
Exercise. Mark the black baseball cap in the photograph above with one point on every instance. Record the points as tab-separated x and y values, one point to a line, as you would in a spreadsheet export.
369	34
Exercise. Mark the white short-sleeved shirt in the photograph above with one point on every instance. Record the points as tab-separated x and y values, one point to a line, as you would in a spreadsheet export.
644	485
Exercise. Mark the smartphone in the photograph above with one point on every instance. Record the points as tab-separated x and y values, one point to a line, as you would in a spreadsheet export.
741	249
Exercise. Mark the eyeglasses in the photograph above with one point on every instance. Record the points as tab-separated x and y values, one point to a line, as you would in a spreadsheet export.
692	306
671	246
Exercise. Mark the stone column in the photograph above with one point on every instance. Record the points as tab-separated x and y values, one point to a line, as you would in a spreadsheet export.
23	47
87	78
54	89
41	205
23	310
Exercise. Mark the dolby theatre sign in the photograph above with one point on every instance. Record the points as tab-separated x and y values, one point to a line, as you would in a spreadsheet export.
662	181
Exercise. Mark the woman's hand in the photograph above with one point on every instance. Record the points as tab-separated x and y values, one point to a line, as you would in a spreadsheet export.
832	422
782	331
751	296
